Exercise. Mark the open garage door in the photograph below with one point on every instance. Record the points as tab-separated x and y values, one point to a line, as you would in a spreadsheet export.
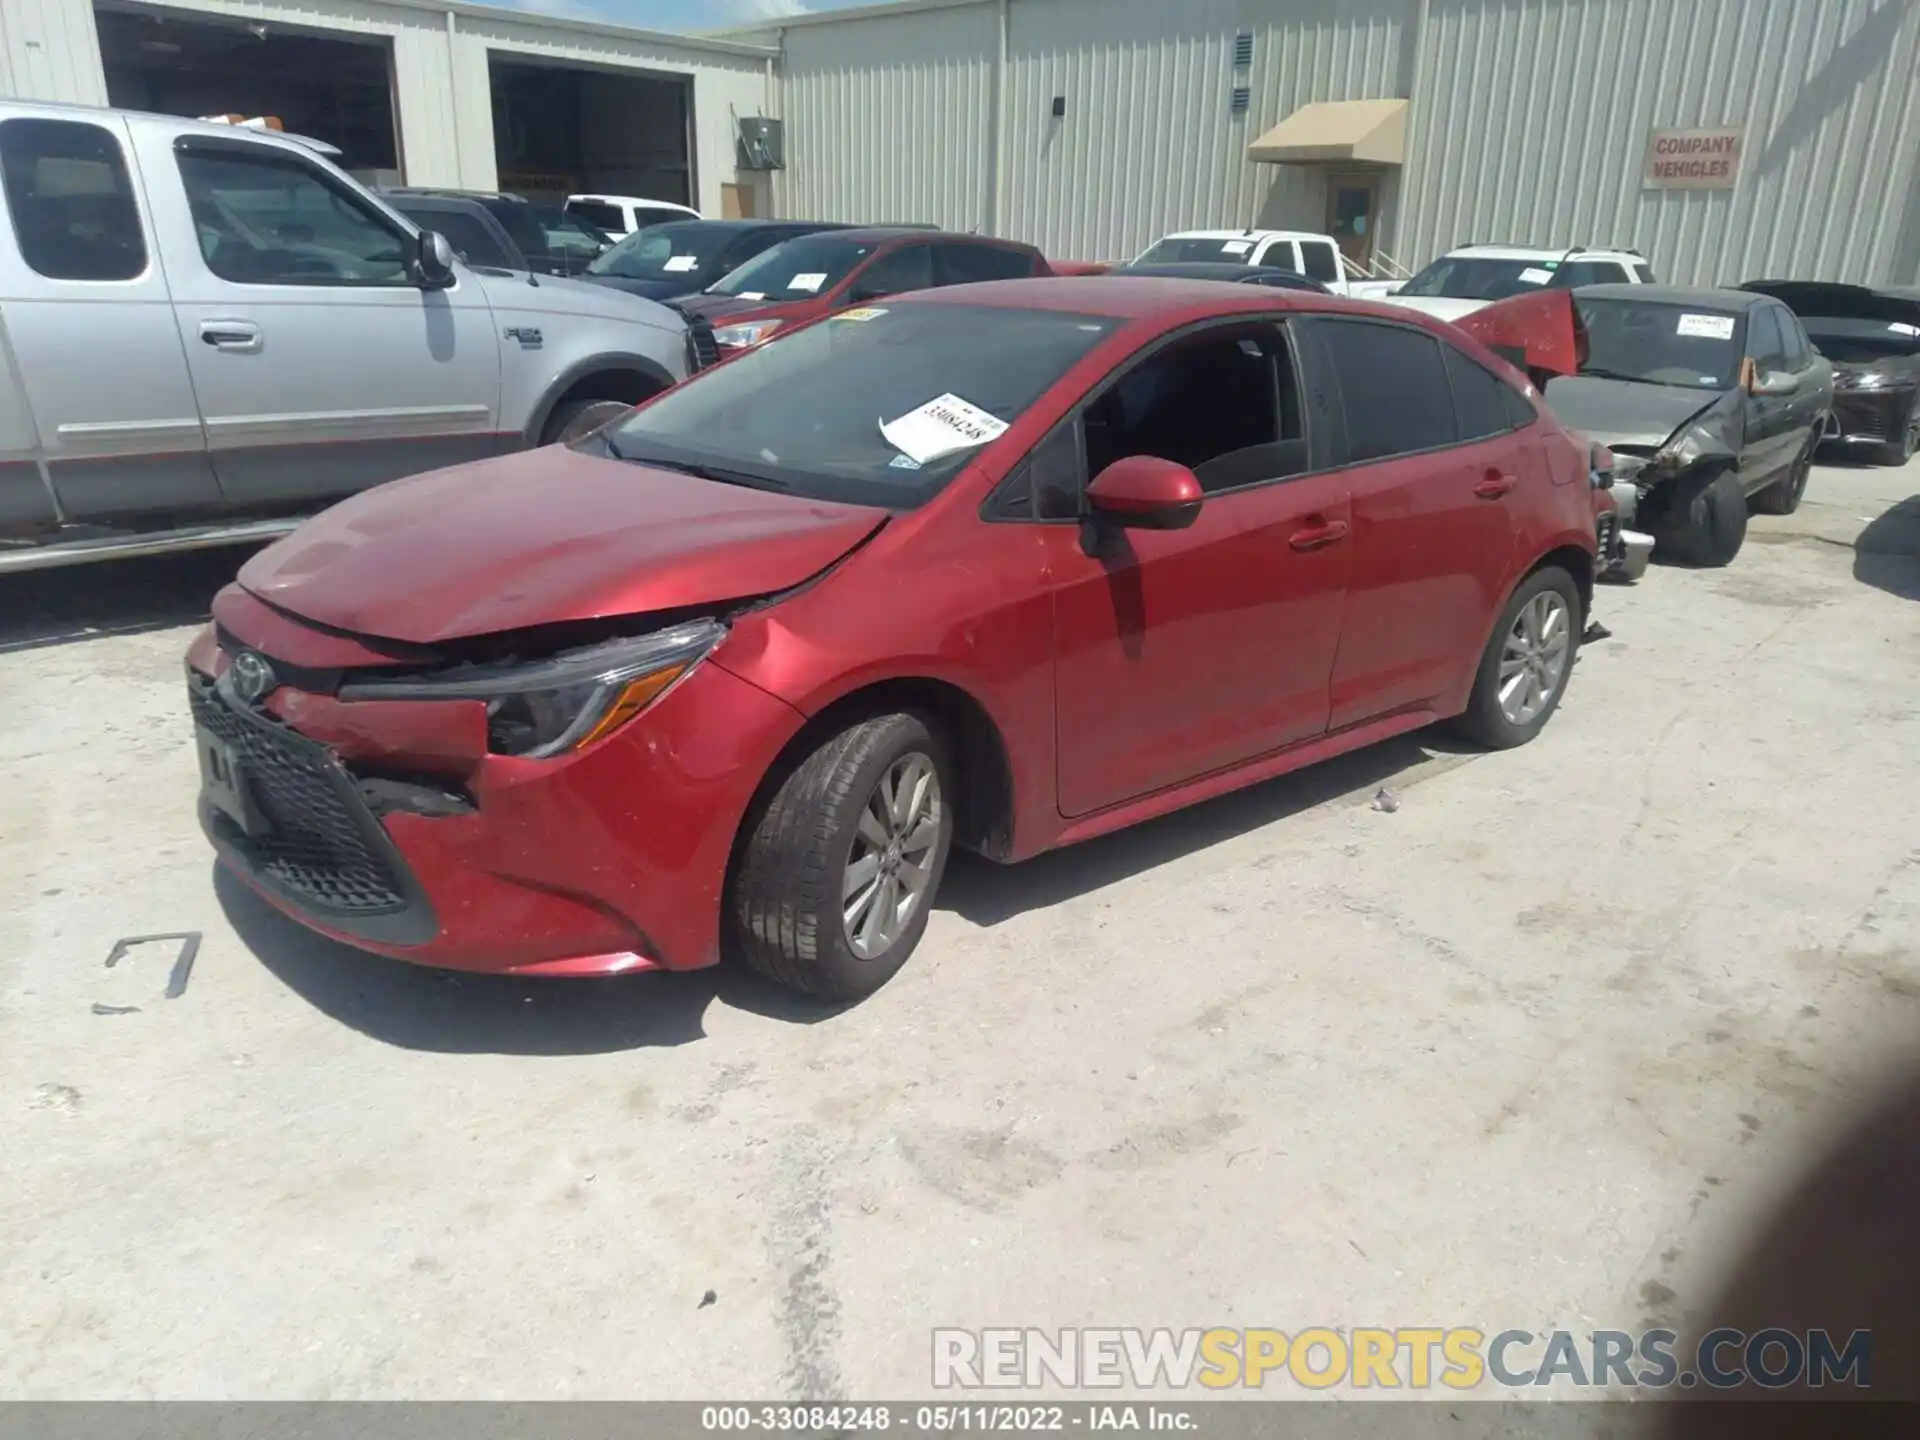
564	130
332	87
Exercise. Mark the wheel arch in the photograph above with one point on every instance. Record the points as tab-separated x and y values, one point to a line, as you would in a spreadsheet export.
612	375
984	802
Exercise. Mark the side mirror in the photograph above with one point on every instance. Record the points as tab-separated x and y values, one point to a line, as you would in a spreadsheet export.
433	261
1776	382
1144	492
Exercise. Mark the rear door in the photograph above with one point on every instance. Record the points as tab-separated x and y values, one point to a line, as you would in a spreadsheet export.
1813	385
1432	487
86	322
321	366
1180	652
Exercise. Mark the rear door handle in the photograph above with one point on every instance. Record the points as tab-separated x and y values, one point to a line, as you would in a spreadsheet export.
240	335
1318	537
1493	485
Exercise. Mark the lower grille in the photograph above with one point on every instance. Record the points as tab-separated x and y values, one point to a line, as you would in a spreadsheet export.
320	844
1862	419
1606	530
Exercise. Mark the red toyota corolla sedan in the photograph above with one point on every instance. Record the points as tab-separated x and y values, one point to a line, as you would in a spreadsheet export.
1002	566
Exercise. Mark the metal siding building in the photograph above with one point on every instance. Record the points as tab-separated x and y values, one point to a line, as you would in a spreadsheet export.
1528	121
440	57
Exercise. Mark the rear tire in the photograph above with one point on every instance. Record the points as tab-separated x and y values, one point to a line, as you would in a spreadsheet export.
866	817
1543	619
1784	495
1705	521
576	419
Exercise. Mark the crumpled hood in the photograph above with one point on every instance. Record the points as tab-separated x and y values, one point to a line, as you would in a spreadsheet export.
726	308
514	298
541	537
1620	412
1441	307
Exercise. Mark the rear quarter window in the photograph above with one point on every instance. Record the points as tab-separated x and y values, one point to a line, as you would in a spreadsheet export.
72	204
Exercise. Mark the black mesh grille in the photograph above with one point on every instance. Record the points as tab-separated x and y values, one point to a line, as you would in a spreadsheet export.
702	350
1606	527
1861	421
320	843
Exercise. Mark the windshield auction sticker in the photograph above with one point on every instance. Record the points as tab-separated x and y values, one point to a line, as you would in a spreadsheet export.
811	280
943	426
1534	275
1707	327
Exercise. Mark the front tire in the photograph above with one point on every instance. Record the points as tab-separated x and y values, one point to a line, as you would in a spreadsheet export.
577	419
1527	663
1784	495
834	883
1705	521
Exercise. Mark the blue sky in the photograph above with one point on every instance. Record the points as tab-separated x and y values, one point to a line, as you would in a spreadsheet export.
677	14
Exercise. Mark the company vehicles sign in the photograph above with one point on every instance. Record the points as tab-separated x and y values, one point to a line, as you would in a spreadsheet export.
1695	159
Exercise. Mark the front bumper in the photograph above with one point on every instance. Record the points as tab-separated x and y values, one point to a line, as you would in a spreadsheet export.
1869	419
1622	553
608	860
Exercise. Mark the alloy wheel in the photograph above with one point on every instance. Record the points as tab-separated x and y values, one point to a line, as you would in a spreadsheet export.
891	864
1533	660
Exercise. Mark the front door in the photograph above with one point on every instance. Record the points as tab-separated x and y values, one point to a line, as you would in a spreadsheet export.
1772	437
1353	214
320	366
1182	652
1434	467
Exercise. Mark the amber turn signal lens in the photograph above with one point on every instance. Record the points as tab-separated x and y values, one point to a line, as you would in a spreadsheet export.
639	694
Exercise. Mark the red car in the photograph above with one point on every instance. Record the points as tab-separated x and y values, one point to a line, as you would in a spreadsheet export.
815	275
1002	566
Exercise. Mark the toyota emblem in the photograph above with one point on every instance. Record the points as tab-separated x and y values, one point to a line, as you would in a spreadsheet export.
253	677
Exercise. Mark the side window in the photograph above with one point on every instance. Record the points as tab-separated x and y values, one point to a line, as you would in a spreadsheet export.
1281	254
1320	260
269	219
963	264
1590	272
1520	411
908	268
471	240
1765	342
1224	404
595	212
1480	403
1799	350
1393	386
1644	273
72	204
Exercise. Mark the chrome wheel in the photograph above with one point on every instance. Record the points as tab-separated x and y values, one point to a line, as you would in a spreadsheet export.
1533	661
891	863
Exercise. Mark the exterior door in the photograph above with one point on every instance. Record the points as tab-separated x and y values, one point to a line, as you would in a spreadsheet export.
1433	467
88	321
1353	215
321	367
1182	652
1772	436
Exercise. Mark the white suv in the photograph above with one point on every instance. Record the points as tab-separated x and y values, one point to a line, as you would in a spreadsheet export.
1463	280
1315	256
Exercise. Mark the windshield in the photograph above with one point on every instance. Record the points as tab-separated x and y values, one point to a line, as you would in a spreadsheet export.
1862	342
1467	277
1662	344
661	252
796	269
1175	250
804	414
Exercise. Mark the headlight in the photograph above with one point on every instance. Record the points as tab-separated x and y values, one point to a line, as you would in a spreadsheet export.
550	706
747	335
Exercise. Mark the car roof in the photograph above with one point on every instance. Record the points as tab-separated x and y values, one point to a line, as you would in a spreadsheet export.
1536	252
1704	297
1204	270
1244	235
637	201
1147	297
917	232
744	225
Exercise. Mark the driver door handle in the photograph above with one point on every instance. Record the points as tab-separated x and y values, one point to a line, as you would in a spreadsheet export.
1319	536
1493	485
242	336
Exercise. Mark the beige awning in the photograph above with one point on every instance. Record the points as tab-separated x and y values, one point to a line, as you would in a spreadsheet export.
1366	132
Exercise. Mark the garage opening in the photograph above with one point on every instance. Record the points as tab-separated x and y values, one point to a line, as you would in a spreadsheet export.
333	88
568	130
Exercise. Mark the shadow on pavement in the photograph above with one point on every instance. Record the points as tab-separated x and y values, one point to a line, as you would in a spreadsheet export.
453	1013
987	894
1887	554
112	597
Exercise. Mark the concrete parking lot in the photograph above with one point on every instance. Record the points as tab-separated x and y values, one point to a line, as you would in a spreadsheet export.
1540	1047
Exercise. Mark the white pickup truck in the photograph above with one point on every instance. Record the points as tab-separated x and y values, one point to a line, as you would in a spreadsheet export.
207	331
1317	257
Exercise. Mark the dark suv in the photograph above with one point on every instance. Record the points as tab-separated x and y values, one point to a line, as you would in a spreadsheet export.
504	232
